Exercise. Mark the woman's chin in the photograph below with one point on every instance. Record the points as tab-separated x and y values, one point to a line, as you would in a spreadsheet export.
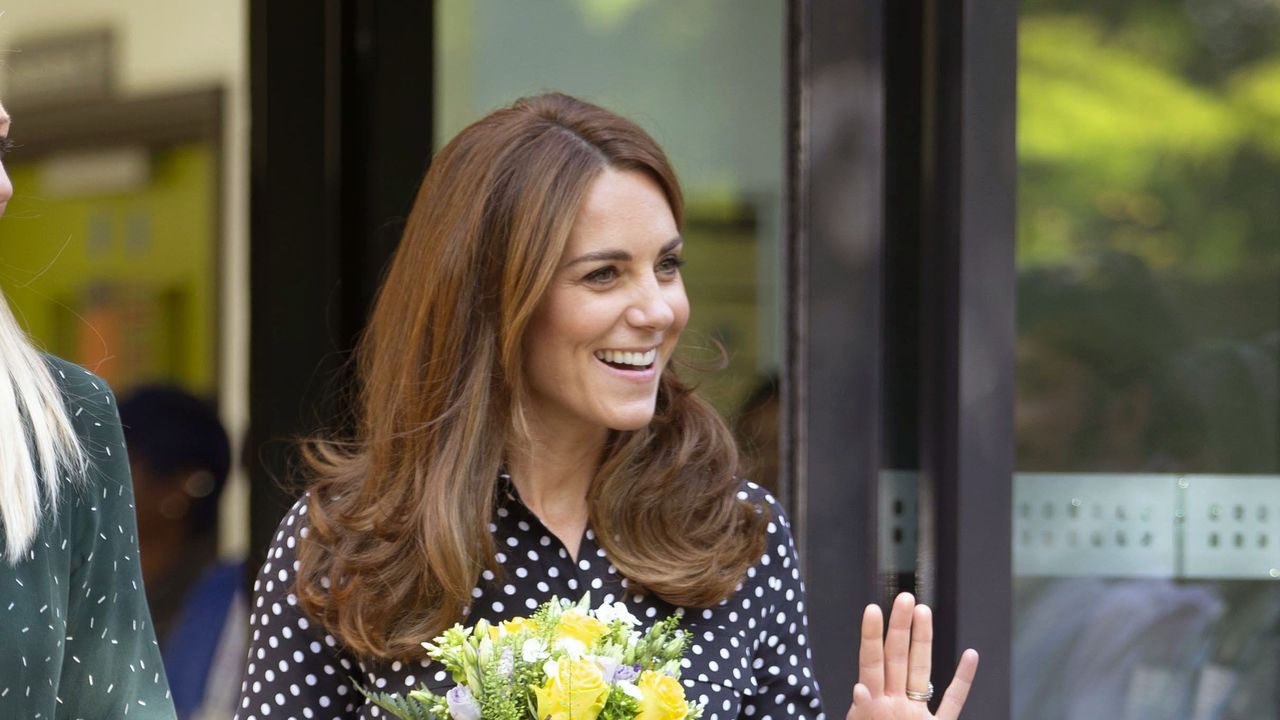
632	420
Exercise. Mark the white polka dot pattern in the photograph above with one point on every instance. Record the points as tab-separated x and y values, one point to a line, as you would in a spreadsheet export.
75	633
749	657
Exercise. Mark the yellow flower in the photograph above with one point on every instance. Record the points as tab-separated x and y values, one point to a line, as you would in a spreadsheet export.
511	627
519	624
585	629
576	691
663	697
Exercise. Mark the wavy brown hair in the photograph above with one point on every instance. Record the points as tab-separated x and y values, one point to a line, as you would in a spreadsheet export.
399	512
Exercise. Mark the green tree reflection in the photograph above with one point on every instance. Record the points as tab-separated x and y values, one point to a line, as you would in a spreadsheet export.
1142	130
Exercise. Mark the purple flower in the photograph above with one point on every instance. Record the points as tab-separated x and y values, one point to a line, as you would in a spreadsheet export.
626	673
462	706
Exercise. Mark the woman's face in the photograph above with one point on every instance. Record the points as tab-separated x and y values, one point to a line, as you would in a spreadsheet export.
6	187
609	322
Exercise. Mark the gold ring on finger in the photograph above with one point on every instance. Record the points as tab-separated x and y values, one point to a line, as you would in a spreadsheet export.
925	696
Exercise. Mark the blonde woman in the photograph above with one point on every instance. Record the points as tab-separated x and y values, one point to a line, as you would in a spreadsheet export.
75	635
523	434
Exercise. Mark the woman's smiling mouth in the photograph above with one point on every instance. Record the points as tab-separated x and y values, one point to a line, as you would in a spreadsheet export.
628	359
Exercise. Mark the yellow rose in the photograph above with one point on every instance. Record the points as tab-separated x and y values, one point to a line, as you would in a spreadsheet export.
519	624
511	627
663	697
583	628
577	691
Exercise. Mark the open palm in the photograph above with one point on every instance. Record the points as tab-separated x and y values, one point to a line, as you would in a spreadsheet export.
890	665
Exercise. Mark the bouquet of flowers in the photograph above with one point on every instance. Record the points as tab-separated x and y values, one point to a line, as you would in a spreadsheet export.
567	661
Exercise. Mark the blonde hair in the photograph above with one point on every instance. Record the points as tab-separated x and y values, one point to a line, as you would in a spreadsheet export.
38	444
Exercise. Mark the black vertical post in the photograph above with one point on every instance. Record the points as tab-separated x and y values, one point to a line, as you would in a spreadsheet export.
341	96
837	115
903	59
388	131
294	250
969	191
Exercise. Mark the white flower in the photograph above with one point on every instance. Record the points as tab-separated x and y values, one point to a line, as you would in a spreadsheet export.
571	647
533	650
607	665
462	706
617	612
631	689
485	651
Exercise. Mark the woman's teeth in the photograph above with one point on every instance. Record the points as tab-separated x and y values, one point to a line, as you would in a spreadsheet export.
635	359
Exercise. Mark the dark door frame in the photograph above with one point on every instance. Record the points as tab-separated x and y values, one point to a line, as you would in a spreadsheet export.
340	94
831	385
902	121
969	196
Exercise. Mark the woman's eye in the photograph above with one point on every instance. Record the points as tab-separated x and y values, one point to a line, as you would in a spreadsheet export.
670	264
603	275
7	146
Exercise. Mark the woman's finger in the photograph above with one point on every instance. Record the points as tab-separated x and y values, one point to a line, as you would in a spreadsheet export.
861	703
896	644
871	651
958	691
861	694
921	661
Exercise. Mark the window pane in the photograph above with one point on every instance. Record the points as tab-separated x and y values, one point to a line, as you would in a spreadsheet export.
1147	504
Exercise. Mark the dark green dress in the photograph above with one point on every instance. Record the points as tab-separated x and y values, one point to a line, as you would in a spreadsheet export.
75	635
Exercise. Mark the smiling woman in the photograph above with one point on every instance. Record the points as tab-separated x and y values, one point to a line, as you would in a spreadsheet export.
609	322
522	434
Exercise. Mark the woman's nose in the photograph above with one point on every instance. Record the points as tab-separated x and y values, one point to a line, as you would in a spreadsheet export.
651	308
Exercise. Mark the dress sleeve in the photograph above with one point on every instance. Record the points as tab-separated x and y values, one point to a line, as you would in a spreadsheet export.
112	665
294	667
783	666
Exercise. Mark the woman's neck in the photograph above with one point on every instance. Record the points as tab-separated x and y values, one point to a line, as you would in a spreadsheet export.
553	475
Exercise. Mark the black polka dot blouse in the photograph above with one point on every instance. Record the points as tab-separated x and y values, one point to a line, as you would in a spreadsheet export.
749	657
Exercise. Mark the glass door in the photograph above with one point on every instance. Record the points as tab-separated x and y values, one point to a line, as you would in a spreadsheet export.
1146	509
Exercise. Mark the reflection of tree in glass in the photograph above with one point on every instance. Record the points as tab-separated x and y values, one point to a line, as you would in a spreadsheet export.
1111	380
1094	388
1235	385
1149	320
1152	128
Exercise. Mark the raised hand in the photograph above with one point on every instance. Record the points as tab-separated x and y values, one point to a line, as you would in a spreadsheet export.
893	669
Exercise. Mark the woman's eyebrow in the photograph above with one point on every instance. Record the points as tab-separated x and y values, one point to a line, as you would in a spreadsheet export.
620	255
600	256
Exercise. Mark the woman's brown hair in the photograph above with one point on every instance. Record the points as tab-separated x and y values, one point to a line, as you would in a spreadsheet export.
398	515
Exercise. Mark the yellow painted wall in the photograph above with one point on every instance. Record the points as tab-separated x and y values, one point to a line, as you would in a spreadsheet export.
64	257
